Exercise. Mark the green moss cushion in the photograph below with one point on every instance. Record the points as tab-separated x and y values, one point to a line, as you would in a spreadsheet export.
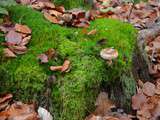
74	93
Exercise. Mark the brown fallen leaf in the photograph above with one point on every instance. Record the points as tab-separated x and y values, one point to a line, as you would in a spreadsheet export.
24	2
25	40
49	5
51	53
43	58
138	100
50	18
5	97
56	68
149	89
20	111
18	49
8	53
92	32
65	66
13	37
23	29
103	104
38	5
60	9
4	100
55	13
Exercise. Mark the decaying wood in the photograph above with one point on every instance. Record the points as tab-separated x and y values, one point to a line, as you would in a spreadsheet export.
140	58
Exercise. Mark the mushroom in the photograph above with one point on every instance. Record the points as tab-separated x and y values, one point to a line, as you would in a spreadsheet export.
109	54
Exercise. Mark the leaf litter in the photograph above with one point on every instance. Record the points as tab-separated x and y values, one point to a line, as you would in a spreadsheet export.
17	36
16	110
141	15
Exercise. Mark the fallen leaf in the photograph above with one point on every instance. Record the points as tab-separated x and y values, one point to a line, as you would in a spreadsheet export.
13	37
5	97
103	104
55	13
20	111
92	32
18	49
56	68
4	100
25	2
60	9
43	58
138	100
51	53
52	19
25	40
23	29
65	66
49	5
8	53
149	89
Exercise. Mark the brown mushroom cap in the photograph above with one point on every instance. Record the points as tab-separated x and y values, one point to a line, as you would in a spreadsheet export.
109	53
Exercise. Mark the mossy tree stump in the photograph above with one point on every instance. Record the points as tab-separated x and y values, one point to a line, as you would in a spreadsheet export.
74	93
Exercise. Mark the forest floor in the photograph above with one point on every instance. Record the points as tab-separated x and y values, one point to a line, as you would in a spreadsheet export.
48	53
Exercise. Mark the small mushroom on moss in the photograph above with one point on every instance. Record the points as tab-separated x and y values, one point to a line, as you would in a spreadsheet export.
109	54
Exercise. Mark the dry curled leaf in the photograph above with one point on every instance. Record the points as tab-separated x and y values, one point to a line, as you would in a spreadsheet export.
56	68
65	66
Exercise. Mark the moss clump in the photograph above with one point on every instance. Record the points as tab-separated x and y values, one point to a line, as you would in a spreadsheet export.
75	91
70	3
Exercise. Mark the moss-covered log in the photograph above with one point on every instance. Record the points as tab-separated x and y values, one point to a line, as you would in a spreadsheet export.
74	93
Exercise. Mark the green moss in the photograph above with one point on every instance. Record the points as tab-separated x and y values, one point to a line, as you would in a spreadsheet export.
69	3
75	92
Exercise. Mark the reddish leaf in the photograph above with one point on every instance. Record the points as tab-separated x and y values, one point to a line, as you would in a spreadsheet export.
43	58
13	37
